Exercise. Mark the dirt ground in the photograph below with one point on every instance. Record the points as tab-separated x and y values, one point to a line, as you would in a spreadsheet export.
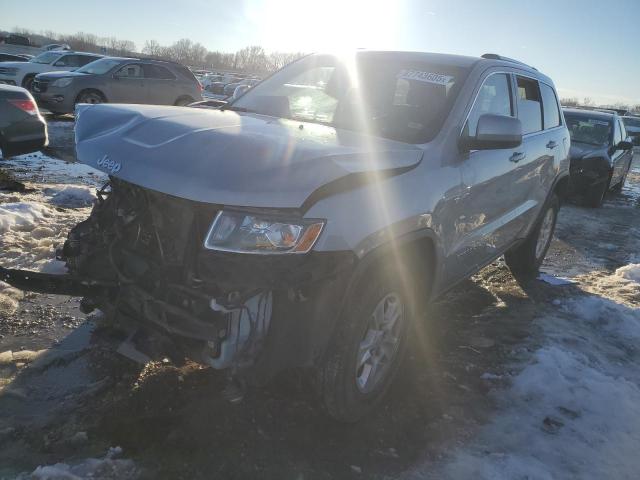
67	395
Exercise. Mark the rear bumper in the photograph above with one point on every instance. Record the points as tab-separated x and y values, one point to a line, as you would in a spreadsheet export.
24	136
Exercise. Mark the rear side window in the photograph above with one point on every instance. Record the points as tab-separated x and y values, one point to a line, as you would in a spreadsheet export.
529	105
156	71
550	106
493	97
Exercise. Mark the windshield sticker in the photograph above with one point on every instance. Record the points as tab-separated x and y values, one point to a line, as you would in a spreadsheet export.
427	77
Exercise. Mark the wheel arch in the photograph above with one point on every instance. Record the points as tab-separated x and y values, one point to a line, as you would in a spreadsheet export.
415	253
90	89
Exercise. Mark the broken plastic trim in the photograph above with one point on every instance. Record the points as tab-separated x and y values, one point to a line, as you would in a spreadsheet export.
51	283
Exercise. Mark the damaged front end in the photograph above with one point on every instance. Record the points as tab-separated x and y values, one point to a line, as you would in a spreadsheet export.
141	258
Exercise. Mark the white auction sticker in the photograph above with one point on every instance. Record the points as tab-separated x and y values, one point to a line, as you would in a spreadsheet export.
428	77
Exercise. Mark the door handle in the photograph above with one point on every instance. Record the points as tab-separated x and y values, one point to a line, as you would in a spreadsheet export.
517	156
551	145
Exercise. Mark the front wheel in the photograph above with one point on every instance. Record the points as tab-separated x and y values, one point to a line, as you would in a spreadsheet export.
526	258
91	97
367	348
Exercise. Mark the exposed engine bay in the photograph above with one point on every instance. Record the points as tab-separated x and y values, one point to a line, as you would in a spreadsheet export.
139	258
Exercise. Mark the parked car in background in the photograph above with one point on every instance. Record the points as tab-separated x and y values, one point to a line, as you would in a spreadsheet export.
304	226
23	73
216	88
632	124
14	39
22	128
601	153
10	57
118	80
247	83
57	46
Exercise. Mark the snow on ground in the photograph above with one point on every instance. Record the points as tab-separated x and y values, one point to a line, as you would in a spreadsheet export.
574	410
33	224
107	468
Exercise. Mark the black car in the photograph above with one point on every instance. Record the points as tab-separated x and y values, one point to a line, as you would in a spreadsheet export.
601	153
22	128
9	57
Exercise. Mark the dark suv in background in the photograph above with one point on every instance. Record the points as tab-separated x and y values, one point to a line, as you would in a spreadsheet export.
117	80
601	153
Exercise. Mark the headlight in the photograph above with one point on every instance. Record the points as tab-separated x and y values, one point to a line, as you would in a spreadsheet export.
62	82
251	233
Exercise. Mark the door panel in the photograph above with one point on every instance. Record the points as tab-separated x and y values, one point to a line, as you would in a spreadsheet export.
128	85
486	215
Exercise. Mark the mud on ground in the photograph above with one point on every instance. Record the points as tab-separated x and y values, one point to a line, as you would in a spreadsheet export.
66	395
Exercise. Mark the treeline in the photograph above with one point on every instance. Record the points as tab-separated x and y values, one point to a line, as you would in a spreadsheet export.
253	59
249	59
588	102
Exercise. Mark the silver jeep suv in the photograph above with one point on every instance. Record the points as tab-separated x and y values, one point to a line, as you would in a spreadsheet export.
308	222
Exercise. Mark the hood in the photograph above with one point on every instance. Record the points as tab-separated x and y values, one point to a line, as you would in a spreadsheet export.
226	157
581	150
13	64
61	74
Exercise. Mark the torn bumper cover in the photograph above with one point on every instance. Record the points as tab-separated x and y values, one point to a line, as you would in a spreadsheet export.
140	257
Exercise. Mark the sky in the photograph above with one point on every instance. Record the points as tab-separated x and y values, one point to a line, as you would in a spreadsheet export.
588	47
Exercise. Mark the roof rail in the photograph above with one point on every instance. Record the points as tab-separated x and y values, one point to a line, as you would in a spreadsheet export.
495	56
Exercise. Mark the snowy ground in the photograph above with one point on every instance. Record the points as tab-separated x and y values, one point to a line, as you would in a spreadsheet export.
507	380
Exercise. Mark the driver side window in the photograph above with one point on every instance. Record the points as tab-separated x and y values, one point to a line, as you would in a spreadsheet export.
493	97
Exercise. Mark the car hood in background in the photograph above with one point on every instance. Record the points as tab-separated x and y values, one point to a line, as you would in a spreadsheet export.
226	157
60	74
580	150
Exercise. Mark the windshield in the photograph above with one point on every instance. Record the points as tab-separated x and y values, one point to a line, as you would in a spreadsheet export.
377	93
99	67
631	122
584	129
47	57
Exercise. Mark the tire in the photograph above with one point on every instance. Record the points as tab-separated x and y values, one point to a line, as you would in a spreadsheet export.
93	97
350	385
27	82
525	259
594	197
183	101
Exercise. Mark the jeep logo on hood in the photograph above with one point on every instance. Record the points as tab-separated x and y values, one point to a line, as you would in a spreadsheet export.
110	165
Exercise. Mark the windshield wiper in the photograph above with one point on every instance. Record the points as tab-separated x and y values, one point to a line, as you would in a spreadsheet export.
236	109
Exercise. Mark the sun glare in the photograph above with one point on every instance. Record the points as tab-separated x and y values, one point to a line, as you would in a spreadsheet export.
327	25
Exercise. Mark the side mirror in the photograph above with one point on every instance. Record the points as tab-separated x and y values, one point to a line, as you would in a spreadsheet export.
495	132
624	145
240	90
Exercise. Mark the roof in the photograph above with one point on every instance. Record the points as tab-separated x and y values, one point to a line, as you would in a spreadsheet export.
462	61
597	114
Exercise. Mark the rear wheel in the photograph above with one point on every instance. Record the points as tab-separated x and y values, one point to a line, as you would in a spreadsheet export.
526	258
367	348
90	96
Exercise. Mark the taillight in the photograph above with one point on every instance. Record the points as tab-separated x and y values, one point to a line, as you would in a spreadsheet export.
200	87
26	105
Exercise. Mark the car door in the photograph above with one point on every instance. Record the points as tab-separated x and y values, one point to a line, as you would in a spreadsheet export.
486	209
161	85
546	145
627	155
128	85
618	156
